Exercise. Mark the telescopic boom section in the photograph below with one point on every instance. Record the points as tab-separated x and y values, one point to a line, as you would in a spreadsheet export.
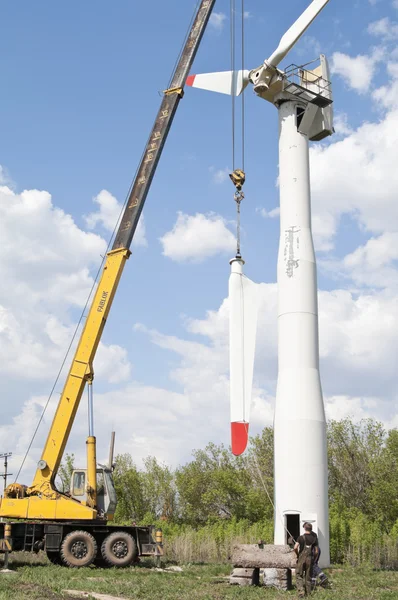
161	128
81	370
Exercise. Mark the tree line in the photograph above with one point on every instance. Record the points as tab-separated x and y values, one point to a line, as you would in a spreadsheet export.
230	496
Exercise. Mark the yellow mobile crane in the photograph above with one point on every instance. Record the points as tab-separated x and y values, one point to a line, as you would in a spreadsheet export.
73	529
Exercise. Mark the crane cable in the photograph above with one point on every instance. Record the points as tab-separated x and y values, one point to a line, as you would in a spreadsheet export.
276	513
238	174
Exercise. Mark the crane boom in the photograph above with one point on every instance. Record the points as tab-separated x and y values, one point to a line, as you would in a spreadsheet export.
161	128
81	370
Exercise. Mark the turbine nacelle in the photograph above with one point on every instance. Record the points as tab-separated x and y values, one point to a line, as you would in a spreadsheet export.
267	79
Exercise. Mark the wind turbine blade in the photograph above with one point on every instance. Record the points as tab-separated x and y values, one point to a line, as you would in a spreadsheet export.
224	82
243	309
296	31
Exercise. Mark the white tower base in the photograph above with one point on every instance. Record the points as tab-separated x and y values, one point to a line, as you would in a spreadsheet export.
301	470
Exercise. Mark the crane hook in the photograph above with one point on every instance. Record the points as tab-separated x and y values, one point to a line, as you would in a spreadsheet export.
238	178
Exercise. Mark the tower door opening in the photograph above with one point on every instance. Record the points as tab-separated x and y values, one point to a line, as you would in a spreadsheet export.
292	527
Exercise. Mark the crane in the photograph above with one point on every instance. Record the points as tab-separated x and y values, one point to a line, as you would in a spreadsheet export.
73	528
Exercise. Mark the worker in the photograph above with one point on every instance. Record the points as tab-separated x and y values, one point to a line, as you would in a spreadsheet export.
307	549
317	573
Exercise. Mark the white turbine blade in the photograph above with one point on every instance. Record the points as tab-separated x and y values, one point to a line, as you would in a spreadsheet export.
296	31
224	82
243	309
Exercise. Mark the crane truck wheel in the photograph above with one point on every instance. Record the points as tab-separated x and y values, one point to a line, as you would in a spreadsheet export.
78	549
119	549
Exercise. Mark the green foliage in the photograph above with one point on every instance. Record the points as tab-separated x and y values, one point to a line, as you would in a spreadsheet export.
339	523
159	490
143	496
65	473
129	490
383	495
213	486
218	499
260	463
218	485
363	469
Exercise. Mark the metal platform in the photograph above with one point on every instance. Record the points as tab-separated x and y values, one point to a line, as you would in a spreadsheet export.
308	86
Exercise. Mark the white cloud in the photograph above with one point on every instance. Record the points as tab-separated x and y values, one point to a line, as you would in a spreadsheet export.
357	341
358	347
195	238
45	269
341	125
39	237
4	180
247	14
269	214
356	71
217	20
308	45
374	264
357	176
17	434
394	4
46	260
112	363
220	175
108	215
385	29
386	96
342	407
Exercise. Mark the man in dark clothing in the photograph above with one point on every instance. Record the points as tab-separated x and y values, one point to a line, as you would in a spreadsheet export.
306	549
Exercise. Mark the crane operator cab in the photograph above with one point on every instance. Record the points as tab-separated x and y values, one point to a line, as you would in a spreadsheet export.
106	494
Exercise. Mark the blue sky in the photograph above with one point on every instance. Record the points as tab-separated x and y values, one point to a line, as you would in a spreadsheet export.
81	86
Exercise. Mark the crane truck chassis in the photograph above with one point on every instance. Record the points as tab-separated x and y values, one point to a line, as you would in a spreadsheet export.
81	543
73	528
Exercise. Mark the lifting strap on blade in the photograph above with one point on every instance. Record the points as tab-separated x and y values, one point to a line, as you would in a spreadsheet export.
243	309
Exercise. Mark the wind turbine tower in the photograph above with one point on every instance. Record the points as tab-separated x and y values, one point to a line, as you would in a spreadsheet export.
304	102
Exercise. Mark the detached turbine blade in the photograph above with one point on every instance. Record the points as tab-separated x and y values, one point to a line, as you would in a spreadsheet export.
224	82
243	309
296	31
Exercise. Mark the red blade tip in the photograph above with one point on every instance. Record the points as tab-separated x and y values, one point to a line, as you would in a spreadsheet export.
190	79
239	437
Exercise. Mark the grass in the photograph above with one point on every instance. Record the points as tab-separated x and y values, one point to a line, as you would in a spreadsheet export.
40	580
